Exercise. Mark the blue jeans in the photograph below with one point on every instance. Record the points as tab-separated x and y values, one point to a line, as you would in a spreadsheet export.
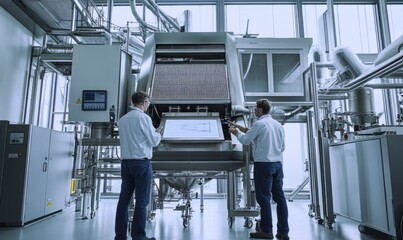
268	177
136	177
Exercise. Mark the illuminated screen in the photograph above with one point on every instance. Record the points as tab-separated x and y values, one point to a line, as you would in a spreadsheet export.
94	100
194	129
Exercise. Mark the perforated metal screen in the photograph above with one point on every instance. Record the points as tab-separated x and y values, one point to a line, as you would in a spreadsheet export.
190	81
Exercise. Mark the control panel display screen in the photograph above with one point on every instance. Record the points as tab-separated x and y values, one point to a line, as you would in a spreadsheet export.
94	100
192	129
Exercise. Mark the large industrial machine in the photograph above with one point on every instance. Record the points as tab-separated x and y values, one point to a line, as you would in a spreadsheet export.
195	87
197	82
35	172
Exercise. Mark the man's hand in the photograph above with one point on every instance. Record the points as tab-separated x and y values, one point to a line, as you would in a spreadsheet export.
242	129
159	129
233	130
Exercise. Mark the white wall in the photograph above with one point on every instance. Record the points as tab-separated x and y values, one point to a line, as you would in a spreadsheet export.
15	51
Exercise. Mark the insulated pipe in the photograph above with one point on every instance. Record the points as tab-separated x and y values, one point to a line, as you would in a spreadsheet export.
157	12
139	19
168	18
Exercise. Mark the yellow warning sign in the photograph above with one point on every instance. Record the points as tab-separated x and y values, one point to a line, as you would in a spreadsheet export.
78	101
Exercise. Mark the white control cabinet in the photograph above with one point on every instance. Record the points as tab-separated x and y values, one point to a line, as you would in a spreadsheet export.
36	167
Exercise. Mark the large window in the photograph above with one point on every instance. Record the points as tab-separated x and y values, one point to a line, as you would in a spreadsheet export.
312	13
355	27
203	16
123	15
265	20
46	99
395	21
295	155
254	72
60	101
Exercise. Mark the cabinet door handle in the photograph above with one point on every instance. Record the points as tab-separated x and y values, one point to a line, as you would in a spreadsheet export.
44	167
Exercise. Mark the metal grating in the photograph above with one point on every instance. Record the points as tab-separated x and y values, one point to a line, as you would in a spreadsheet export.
189	81
55	13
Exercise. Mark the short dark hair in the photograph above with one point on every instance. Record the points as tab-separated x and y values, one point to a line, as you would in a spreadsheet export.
264	104
139	97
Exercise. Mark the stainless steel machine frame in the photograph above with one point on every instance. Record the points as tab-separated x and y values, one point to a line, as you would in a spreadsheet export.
325	170
365	176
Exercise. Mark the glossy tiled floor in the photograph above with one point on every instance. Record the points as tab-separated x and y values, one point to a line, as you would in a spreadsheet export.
211	224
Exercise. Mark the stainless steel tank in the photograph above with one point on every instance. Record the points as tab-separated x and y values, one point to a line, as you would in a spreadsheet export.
362	107
100	130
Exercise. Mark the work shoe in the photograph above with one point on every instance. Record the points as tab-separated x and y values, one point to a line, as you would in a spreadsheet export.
283	236
261	235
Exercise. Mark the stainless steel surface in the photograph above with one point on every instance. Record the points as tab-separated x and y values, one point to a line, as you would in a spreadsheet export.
273	67
193	73
183	185
383	70
370	169
100	130
184	49
347	63
344	180
362	106
191	76
109	71
394	130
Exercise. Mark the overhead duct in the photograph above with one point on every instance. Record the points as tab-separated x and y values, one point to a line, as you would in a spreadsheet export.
158	12
391	50
347	63
139	19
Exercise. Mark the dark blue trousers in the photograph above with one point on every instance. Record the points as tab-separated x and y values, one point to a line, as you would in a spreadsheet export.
268	177
136	177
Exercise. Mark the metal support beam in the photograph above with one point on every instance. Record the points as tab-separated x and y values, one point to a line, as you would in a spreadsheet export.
220	15
331	25
299	19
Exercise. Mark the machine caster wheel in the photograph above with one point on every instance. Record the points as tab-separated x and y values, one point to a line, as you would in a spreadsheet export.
231	221
320	221
330	226
92	215
185	222
248	223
